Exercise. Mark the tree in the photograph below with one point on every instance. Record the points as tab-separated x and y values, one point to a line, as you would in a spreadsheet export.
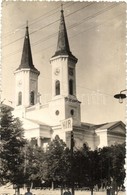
93	170
80	165
118	161
91	175
34	158
112	160
56	167
12	144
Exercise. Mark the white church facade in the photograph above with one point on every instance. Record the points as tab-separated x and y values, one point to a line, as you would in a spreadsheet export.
43	121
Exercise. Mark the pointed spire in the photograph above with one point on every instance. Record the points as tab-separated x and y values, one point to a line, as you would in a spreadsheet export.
26	59
63	47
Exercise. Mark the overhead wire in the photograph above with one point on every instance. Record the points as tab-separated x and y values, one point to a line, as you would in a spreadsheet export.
44	27
99	92
96	14
77	35
36	20
50	36
53	13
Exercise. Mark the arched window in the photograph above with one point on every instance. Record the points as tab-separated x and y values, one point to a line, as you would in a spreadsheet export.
71	87
20	98
32	98
57	87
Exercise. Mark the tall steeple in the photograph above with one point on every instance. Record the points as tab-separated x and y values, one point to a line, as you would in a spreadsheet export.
26	59
63	47
64	102
26	77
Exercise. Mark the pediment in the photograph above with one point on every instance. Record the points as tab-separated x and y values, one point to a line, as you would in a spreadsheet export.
113	128
118	129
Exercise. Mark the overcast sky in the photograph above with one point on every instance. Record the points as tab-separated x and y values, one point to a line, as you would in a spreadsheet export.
96	33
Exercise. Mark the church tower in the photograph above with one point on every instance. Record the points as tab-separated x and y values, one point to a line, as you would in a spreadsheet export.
64	102
26	77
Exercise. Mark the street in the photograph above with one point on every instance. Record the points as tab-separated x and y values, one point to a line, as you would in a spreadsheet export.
10	191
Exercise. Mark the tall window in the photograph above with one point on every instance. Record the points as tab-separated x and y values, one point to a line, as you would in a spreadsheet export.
32	97
20	98
71	87
57	87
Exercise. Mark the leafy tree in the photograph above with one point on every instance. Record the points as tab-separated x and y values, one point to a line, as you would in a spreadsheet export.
90	169
118	162
56	167
34	157
93	170
112	160
102	167
12	144
80	165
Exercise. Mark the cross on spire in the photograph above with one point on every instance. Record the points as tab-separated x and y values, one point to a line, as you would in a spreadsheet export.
26	59
63	47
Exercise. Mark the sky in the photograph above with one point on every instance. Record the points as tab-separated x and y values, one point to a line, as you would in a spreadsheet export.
96	33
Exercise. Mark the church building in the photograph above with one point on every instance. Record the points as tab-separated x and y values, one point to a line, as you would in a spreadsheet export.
42	122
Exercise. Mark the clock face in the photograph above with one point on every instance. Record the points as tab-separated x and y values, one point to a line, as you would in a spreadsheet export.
57	71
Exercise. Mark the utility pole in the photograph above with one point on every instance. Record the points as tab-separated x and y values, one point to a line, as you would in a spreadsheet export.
67	126
72	163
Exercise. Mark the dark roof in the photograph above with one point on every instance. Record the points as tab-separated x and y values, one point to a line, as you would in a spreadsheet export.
112	124
63	47
87	124
92	126
26	59
108	125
